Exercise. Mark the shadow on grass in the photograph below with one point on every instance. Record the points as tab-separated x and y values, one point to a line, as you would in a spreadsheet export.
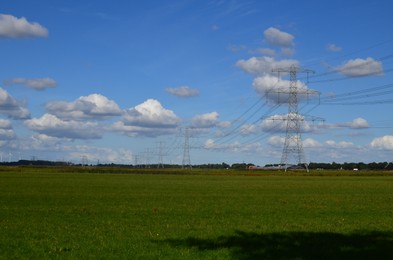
300	245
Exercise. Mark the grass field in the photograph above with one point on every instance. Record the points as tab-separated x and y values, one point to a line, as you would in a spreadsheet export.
57	214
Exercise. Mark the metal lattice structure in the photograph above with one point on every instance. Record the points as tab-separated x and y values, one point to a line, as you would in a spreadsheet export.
293	146
186	152
161	148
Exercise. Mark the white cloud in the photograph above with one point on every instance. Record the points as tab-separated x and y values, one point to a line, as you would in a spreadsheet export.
94	106
384	142
278	123
5	124
46	139
205	120
248	129
333	48
13	27
359	123
37	84
311	143
264	65
224	124
342	144
361	67
276	37
150	114
183	91
42	143
277	90
53	126
6	131
147	119
275	123
151	131
276	141
11	107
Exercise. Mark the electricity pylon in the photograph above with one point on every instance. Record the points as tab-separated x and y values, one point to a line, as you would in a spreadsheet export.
293	145
186	151
160	154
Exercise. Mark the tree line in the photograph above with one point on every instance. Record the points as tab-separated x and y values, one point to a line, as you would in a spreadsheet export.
223	165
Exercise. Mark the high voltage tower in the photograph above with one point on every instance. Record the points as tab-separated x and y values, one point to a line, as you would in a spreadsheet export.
161	148
186	151
293	145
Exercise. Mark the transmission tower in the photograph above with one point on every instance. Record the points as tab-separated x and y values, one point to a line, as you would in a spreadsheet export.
147	154
160	154
136	161
293	146
186	152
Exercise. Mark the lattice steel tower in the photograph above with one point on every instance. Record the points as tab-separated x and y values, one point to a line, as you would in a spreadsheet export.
186	152
293	146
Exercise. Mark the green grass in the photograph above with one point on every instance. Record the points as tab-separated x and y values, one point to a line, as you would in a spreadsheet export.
52	213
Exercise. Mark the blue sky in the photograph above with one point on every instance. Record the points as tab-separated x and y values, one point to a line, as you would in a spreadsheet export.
120	81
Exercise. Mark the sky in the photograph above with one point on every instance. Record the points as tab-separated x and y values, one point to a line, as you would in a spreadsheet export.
137	82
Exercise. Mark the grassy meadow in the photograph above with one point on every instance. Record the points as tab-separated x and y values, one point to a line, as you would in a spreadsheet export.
57	213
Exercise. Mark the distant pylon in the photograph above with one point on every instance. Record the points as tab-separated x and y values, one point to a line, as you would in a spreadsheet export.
160	154
293	146
186	152
136	161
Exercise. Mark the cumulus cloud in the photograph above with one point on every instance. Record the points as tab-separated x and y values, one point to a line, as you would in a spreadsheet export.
5	124
384	142
149	119
341	144
311	143
359	123
183	91
6	131
276	141
264	65
37	84
13	27
276	90
149	131
11	107
333	47
42	143
205	120
278	123
276	37
224	124
150	114
46	139
361	67
94	106
51	125
248	129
